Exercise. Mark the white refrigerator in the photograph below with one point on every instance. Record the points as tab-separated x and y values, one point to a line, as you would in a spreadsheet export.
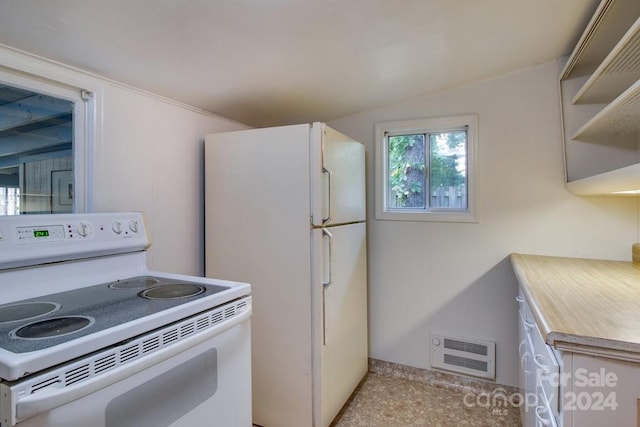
285	212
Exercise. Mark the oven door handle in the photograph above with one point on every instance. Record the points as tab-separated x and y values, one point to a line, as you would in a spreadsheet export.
34	404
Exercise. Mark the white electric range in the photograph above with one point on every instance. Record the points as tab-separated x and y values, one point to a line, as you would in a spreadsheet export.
90	336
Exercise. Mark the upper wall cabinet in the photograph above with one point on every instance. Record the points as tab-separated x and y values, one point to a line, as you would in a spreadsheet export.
600	92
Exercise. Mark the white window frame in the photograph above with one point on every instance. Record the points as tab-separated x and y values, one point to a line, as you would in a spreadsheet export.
83	106
430	125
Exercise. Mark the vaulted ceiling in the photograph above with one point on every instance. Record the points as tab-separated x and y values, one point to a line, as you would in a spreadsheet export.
272	62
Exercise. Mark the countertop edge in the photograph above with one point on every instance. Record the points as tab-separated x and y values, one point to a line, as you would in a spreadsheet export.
593	346
627	355
543	325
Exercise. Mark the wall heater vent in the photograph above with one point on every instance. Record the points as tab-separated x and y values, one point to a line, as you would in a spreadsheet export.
465	356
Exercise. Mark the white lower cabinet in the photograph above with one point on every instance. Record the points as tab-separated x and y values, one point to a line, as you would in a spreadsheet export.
601	392
568	389
527	377
538	364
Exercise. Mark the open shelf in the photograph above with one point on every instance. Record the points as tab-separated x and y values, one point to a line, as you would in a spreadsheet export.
608	25
620	182
600	101
619	70
621	118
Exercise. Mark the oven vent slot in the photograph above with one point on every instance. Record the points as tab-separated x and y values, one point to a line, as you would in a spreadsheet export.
150	344
170	336
129	353
186	330
202	323
229	312
217	317
75	375
102	362
46	383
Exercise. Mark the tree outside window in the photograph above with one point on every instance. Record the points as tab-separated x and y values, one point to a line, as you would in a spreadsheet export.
433	178
426	169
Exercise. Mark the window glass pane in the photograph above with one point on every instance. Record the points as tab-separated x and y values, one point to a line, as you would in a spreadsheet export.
9	200
36	152
448	170
406	186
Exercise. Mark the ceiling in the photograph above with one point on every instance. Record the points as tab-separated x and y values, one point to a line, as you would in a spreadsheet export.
32	127
274	62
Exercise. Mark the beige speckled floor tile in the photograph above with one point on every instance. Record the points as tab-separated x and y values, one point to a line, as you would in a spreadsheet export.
386	401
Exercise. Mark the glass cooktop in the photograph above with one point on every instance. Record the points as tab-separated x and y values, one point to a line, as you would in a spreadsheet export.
49	320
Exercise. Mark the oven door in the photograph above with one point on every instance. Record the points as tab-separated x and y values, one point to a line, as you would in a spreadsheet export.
205	378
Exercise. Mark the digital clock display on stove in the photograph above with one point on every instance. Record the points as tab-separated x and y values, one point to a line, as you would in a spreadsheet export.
42	233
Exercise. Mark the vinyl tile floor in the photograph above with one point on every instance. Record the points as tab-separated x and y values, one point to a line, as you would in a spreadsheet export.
387	401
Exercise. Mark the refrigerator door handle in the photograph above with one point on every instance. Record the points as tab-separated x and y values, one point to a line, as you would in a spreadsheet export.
328	218
324	316
327	233
325	285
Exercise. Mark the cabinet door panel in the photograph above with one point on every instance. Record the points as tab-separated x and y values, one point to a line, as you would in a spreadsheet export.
602	392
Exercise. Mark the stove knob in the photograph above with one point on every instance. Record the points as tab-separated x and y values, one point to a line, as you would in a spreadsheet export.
82	229
133	226
116	226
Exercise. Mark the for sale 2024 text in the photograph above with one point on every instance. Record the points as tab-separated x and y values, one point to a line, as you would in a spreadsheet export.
591	390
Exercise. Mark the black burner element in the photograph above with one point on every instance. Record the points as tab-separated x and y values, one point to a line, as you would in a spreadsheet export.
53	327
134	282
173	291
26	310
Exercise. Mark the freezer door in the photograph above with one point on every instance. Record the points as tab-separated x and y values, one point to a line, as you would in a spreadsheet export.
340	296
337	177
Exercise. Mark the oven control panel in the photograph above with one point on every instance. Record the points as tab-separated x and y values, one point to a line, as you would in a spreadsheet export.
50	233
38	239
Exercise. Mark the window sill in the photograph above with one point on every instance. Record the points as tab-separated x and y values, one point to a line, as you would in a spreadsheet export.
423	216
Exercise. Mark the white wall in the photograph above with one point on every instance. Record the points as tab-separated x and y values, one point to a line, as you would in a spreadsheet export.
147	155
151	159
456	278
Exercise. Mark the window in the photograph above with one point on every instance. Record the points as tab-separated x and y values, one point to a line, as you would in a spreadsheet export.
426	169
42	147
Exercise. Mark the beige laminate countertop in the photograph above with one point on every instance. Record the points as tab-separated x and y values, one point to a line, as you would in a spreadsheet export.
582	305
